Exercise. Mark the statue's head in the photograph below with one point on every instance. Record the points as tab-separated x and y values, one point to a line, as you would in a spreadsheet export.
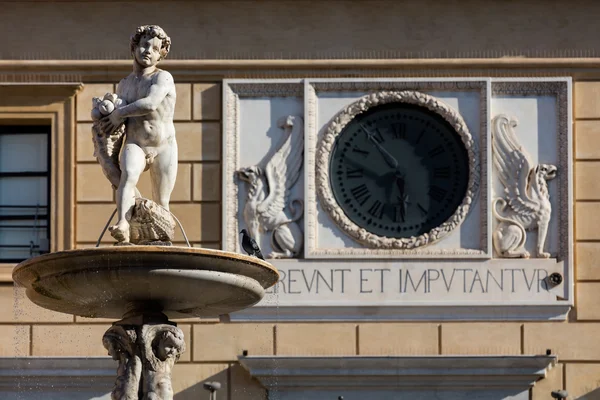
546	171
250	174
149	45
169	344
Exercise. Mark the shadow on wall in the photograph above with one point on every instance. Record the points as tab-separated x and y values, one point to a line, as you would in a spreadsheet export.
593	395
236	384
197	391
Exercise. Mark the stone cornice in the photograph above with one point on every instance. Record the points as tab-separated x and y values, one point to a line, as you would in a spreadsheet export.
14	94
194	70
415	372
407	63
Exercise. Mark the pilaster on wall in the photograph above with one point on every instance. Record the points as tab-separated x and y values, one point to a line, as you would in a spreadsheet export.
587	195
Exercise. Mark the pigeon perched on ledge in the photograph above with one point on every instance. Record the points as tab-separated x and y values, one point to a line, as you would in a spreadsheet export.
250	246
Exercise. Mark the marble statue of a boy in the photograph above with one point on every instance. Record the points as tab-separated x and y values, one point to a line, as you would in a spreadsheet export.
145	106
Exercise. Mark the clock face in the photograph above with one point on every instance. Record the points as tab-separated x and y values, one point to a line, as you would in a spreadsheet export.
399	170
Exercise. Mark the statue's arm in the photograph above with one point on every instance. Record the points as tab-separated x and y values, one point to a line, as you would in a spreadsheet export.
158	91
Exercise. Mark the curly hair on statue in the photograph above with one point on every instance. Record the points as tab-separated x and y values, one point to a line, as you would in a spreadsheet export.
152	31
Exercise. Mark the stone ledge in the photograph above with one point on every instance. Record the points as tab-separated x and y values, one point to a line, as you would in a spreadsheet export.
441	372
57	374
440	312
536	63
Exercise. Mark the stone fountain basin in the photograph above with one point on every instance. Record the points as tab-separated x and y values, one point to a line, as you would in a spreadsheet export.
110	282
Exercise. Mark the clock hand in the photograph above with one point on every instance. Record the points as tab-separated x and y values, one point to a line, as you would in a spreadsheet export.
389	159
402	211
366	170
400	184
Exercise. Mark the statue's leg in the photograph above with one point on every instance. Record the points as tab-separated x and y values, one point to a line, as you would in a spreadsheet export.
133	162
541	239
507	242
120	343
283	241
163	172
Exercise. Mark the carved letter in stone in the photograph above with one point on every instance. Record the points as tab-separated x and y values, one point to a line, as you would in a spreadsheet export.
133	132
269	190
525	204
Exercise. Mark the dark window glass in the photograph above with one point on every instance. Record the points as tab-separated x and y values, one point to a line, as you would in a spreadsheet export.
24	191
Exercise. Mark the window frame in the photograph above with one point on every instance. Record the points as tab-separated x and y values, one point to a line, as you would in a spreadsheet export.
53	104
29	129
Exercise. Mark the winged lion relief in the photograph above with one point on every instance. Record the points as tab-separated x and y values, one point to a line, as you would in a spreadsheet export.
268	209
525	202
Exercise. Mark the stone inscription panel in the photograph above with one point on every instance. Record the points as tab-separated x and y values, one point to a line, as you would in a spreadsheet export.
433	282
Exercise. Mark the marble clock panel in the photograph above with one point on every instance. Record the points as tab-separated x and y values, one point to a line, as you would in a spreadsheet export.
330	275
469	98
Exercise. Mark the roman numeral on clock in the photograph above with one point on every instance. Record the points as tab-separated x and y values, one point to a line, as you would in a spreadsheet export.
398	214
376	209
437	193
441	172
436	151
399	130
361	193
422	210
354	173
360	151
420	136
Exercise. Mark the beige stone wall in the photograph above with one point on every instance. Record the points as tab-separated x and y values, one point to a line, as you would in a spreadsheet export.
303	28
328	29
333	28
213	347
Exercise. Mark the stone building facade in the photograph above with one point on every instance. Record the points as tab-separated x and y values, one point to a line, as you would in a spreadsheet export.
56	56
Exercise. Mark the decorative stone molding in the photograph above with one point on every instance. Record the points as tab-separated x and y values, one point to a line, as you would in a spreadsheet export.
327	143
420	84
315	176
280	373
434	312
270	89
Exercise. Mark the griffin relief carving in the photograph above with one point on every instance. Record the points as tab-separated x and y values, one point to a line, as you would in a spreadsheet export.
525	203
269	192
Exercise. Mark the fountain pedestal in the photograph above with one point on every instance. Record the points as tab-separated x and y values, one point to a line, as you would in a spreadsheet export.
144	286
146	354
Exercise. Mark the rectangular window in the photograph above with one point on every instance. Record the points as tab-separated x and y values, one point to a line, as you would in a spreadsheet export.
24	191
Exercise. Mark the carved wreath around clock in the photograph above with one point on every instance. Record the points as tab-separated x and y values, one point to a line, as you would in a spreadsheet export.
417	177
